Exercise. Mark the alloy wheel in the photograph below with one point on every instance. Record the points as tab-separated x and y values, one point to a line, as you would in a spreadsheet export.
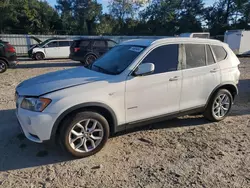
86	135
221	106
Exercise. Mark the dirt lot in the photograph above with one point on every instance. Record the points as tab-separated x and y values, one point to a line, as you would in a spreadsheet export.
184	152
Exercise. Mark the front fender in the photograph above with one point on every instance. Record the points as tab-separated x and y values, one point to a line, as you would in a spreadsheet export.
79	106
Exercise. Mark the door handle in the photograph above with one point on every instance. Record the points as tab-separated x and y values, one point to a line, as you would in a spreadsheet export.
214	70
174	78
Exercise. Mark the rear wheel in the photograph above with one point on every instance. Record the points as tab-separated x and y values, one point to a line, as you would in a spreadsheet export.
89	59
39	56
3	66
84	134
219	106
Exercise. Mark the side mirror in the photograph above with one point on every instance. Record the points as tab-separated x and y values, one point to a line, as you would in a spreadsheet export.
144	69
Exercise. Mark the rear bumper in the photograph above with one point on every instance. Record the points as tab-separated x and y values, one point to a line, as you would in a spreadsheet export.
13	63
76	58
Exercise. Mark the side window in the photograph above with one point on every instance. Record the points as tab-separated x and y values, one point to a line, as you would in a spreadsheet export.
84	43
63	43
210	57
220	52
165	58
99	44
71	42
111	44
52	44
195	55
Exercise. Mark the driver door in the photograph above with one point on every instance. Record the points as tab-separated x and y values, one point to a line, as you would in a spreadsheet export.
159	93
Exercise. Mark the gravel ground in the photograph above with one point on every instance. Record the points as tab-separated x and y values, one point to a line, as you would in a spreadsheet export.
183	152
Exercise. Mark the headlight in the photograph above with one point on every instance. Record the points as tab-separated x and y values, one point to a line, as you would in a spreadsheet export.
35	104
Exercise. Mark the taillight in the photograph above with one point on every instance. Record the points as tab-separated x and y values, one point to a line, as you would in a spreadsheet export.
10	48
76	49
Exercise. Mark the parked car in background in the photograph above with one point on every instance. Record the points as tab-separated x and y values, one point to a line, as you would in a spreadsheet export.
7	56
51	49
137	81
87	50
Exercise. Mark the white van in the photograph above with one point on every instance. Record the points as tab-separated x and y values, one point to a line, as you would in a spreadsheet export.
55	48
196	35
238	41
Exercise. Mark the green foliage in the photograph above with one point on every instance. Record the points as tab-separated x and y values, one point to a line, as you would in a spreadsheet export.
125	17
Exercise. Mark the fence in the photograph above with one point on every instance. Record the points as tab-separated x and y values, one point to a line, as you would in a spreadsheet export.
23	42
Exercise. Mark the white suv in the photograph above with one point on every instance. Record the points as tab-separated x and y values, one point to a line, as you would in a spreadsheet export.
137	81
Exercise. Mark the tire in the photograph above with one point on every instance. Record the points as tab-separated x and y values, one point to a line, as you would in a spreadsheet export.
215	110
39	56
85	138
89	59
3	66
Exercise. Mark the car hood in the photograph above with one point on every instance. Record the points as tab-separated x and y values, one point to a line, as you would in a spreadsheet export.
54	81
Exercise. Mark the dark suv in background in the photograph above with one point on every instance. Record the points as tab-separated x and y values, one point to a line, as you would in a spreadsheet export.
87	50
7	56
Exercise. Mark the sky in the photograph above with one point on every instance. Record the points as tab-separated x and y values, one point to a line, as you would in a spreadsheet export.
105	3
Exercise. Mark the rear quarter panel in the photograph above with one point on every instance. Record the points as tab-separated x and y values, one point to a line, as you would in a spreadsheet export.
229	67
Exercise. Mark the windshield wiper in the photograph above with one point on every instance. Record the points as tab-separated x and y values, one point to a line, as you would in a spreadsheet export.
104	70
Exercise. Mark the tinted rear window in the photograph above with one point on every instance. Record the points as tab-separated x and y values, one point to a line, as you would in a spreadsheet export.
220	52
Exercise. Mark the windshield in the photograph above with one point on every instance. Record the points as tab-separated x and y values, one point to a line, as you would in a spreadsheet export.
117	59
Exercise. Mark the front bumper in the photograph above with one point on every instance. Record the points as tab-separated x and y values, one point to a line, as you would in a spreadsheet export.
36	126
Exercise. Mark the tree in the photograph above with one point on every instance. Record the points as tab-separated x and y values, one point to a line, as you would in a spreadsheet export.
125	9
106	25
86	13
191	16
65	10
162	17
227	14
28	16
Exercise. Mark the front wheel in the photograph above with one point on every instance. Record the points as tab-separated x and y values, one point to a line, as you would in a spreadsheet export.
39	56
84	134
219	106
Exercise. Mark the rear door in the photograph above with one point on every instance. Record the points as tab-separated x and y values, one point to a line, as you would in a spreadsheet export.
201	74
51	49
63	49
100	47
